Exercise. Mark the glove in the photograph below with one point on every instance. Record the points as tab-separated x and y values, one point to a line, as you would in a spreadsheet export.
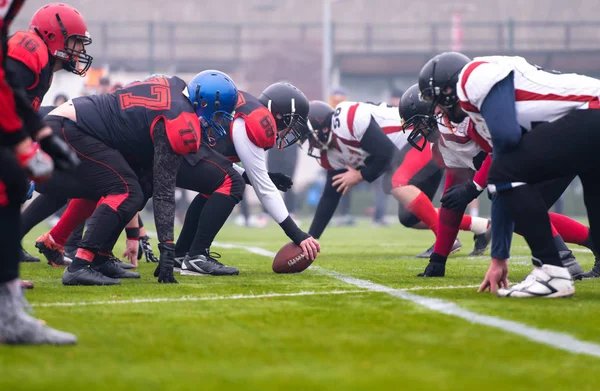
146	249
457	197
281	181
164	270
38	165
30	191
64	157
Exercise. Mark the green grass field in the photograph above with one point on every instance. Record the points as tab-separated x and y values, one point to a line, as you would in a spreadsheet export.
310	331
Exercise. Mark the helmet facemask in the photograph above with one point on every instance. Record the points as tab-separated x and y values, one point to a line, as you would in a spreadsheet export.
318	140
213	126
291	127
424	128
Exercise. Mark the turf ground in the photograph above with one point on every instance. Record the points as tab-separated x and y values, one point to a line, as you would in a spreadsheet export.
318	330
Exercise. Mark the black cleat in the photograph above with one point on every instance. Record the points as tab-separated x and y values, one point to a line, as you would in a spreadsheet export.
434	269
121	264
569	261
87	276
595	272
427	253
52	251
206	264
482	242
26	257
111	269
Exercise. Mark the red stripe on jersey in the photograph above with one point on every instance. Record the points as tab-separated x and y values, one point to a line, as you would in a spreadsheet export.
351	115
483	144
325	162
467	106
470	68
522	95
391	129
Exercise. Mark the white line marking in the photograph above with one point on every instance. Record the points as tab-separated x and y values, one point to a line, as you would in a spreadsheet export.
207	298
555	339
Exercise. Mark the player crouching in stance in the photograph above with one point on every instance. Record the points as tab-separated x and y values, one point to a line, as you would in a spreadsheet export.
126	140
505	96
275	119
362	141
467	165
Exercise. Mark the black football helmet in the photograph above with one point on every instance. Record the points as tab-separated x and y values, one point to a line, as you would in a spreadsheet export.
438	78
319	125
289	107
417	117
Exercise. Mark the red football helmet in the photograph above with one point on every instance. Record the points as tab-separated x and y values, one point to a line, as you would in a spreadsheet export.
65	33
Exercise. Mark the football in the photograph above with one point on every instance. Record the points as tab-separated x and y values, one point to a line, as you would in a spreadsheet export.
290	259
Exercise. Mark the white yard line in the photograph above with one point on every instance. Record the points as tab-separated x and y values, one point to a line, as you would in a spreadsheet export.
205	298
555	339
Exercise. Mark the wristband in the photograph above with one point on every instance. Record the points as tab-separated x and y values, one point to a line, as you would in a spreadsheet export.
292	231
132	233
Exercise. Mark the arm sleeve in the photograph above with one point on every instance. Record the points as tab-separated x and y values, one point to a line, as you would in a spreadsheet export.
481	176
502	229
166	165
254	160
380	148
327	206
500	114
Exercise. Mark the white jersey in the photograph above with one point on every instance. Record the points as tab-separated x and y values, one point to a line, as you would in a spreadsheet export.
455	145
349	124
540	96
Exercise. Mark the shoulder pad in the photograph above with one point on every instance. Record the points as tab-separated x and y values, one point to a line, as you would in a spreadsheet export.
184	133
260	126
29	49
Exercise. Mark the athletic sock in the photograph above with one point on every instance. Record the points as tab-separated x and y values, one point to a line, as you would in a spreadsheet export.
83	259
76	213
570	230
477	225
216	211
424	210
449	222
190	225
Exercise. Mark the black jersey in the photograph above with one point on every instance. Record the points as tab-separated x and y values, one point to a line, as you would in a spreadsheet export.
125	119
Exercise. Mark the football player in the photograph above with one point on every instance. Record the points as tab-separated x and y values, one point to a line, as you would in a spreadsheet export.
56	40
467	167
524	112
275	119
21	158
362	141
128	140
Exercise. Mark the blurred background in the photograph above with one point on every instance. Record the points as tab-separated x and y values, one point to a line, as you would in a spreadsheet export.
363	50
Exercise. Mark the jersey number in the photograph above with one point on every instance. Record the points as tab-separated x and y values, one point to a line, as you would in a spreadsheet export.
336	118
267	125
159	99
28	43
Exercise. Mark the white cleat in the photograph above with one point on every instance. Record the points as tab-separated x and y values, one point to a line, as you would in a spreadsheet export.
546	281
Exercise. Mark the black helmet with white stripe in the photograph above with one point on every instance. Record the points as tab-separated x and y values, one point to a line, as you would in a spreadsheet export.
289	107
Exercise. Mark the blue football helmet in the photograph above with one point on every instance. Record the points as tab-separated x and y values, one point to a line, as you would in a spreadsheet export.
214	96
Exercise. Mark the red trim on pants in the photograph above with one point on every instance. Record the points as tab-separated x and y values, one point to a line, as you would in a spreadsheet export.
113	201
413	162
225	187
